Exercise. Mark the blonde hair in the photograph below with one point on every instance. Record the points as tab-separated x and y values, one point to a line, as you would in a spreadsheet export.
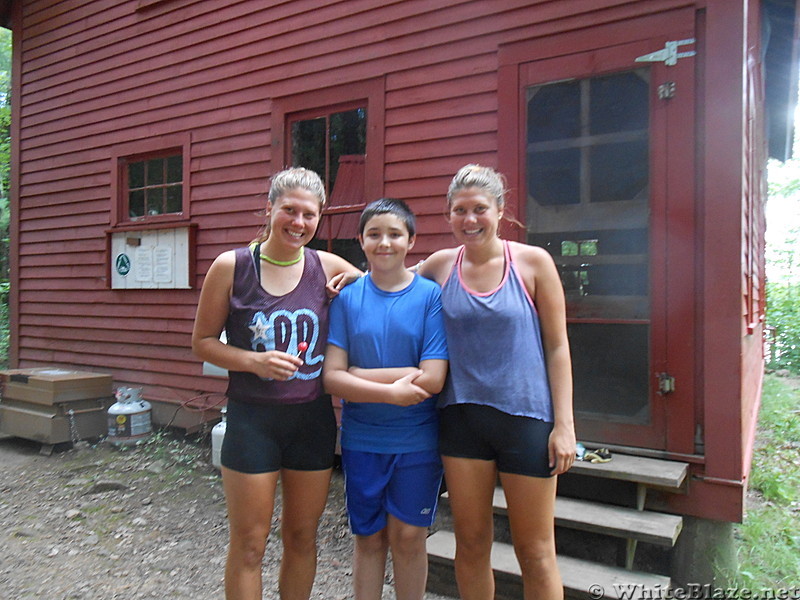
486	179
287	180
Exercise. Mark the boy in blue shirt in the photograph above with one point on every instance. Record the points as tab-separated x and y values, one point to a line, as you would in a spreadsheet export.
387	358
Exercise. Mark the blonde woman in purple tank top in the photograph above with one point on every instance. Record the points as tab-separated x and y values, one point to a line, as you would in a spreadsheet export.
271	300
490	284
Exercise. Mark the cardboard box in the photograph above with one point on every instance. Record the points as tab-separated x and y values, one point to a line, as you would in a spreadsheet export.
48	385
54	424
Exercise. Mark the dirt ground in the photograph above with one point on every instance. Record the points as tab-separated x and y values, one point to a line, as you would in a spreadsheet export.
101	523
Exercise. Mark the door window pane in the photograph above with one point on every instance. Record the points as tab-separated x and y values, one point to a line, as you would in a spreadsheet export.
619	171
618	102
551	177
587	175
588	183
554	112
610	363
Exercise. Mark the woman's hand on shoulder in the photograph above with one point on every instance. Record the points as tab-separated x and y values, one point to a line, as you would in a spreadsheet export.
338	272
341	280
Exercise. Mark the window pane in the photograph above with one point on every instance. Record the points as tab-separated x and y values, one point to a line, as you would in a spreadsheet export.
618	102
149	192
348	135
308	145
600	263
554	177
135	175
155	171
155	201
554	112
619	171
613	363
136	204
175	169
174	198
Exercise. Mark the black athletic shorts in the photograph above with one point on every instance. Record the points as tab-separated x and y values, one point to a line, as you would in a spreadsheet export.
267	438
517	444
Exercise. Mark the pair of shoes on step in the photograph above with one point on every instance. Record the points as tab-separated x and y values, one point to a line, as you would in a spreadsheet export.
600	455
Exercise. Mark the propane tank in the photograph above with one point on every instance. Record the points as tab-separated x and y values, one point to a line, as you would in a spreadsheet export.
129	418
217	435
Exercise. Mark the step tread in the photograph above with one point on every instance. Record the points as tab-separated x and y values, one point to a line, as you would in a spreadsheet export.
667	474
643	525
577	575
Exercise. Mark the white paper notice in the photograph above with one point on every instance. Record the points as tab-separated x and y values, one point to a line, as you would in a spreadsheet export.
143	263
162	264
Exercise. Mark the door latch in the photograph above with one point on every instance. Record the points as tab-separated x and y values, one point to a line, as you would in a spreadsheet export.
666	383
666	90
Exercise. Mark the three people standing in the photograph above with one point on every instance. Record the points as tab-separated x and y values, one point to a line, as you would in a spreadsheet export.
506	410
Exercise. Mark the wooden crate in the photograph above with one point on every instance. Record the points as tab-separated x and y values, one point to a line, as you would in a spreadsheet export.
48	386
55	423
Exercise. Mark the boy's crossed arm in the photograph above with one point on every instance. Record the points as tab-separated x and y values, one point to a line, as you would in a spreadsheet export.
403	386
434	372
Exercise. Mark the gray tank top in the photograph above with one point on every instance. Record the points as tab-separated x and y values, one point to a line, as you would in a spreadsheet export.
495	345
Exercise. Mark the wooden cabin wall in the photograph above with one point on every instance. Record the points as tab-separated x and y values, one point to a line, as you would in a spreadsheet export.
99	74
754	228
730	360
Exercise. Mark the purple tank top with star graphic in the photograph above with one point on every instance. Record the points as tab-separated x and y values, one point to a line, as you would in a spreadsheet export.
259	321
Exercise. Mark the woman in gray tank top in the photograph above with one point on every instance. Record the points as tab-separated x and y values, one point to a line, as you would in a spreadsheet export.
271	300
507	407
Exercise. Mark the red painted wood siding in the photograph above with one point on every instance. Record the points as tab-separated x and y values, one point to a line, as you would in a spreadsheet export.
97	74
93	76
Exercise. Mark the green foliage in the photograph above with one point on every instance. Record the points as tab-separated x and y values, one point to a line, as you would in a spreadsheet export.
783	320
783	261
769	538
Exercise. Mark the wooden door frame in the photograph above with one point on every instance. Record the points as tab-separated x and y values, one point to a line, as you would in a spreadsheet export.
673	281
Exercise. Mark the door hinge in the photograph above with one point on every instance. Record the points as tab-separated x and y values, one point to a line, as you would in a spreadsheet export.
666	383
669	55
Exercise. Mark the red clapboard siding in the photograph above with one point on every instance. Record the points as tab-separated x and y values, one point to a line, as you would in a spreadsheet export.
99	74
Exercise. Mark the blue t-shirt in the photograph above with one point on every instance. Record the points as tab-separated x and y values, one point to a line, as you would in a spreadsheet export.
381	329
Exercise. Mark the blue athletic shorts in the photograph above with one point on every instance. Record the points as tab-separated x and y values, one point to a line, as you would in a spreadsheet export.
267	438
517	444
404	485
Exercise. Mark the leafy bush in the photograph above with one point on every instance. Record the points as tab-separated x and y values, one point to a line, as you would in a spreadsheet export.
783	321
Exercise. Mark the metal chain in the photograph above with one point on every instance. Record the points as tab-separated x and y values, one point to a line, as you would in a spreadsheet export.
73	428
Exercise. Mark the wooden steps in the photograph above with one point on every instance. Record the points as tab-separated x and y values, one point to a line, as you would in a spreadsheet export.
645	526
650	472
633	524
578	575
